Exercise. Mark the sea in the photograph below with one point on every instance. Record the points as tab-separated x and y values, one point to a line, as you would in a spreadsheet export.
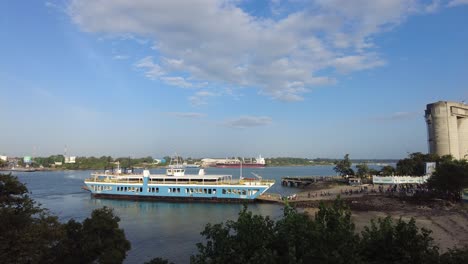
157	229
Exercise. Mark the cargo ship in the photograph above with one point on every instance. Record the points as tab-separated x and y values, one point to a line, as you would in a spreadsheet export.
175	185
259	162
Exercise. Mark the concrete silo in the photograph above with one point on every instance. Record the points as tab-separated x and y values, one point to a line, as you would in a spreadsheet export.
447	126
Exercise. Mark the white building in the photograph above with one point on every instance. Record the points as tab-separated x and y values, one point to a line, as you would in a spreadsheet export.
70	159
4	158
447	126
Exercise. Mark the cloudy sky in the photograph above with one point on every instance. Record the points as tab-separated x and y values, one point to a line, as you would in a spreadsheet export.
232	77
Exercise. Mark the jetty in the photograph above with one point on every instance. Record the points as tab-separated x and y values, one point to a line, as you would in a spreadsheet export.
304	181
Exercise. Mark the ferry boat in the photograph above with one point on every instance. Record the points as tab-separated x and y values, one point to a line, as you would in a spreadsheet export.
175	185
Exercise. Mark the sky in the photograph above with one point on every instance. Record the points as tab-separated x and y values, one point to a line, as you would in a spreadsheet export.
227	78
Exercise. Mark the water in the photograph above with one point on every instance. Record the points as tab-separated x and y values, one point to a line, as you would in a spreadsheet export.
155	229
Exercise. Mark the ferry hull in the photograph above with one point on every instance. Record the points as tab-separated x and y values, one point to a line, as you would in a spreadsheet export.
173	199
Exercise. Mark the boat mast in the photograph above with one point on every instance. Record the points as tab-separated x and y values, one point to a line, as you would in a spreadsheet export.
240	177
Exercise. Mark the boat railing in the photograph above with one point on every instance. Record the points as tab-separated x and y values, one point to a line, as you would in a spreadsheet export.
140	181
247	181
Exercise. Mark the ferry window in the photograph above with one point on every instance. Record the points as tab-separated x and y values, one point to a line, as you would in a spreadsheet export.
168	190
141	189
157	190
186	190
204	190
118	188
209	191
178	190
214	191
244	192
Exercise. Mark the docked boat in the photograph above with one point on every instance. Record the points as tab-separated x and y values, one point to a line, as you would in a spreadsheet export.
259	162
176	185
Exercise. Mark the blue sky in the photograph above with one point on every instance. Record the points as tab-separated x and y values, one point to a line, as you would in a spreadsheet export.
223	78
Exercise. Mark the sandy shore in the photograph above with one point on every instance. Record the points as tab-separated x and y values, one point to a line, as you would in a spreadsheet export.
448	222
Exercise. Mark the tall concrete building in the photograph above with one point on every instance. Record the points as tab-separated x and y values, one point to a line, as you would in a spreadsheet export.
447	127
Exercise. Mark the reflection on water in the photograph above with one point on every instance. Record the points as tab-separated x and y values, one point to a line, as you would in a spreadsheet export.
155	229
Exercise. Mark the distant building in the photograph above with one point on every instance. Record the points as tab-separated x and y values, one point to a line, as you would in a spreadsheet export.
27	159
447	127
58	163
4	158
70	160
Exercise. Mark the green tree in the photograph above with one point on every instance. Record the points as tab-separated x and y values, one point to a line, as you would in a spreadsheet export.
158	261
403	242
337	241
362	170
247	240
455	256
27	232
450	178
387	170
295	237
415	164
30	234
343	167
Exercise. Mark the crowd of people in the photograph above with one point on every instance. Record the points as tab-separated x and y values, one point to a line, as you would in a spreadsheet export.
390	190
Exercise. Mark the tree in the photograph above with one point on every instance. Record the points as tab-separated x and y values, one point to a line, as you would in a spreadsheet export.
455	256
30	234
247	240
294	237
158	261
450	178
384	242
343	167
336	241
362	170
27	232
415	164
387	170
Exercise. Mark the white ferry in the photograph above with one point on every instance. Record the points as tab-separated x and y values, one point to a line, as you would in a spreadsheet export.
176	185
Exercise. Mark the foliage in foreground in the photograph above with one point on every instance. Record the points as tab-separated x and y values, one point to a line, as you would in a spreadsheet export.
30	234
329	237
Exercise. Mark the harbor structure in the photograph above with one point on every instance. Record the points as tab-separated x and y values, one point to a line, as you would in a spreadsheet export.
447	127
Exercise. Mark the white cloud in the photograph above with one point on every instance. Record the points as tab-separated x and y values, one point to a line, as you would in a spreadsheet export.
188	115
201	97
248	121
177	81
396	116
120	57
221	44
457	3
152	70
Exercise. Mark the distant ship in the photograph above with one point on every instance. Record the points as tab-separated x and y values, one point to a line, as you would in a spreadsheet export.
175	185
191	166
259	162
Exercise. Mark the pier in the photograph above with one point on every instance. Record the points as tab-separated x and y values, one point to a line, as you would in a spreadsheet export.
304	181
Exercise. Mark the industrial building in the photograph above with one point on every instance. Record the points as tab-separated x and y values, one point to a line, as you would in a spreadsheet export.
447	127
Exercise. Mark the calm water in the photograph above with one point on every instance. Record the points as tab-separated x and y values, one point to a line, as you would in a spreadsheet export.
155	229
